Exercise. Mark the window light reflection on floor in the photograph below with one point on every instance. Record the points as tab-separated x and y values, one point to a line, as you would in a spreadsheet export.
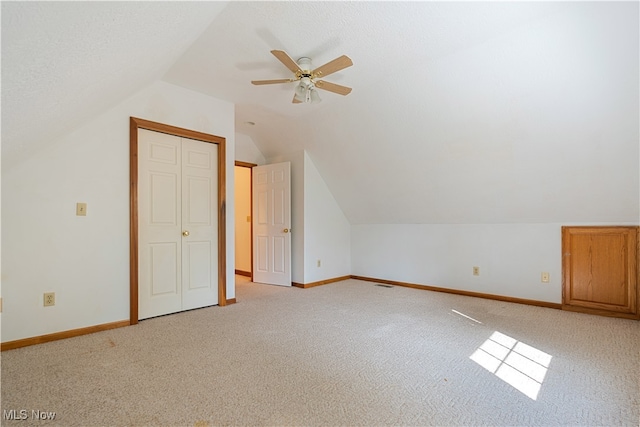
516	363
464	315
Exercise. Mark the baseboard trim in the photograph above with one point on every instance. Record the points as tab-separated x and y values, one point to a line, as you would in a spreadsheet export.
10	345
243	273
586	310
320	282
460	292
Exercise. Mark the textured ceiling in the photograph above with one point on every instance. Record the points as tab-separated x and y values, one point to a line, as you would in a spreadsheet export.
391	44
65	62
478	112
461	112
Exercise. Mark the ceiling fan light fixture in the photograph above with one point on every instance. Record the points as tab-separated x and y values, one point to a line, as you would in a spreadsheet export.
301	92
313	95
306	91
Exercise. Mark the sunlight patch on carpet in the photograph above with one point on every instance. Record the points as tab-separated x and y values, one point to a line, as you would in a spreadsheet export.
464	315
516	363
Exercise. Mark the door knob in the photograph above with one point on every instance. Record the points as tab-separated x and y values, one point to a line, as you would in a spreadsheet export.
286	230
185	233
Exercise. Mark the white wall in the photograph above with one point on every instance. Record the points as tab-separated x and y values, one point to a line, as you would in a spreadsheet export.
509	153
511	257
319	228
85	260
246	150
327	233
1	273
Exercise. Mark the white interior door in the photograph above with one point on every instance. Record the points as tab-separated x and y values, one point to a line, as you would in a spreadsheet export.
199	224
159	224
272	224
177	224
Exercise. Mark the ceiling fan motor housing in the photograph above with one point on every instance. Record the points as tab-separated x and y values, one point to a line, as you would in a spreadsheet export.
305	65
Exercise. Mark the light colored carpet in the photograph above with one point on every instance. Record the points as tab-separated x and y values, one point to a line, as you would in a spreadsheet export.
348	353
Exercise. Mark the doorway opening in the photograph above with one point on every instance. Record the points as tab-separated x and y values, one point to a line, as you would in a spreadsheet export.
243	219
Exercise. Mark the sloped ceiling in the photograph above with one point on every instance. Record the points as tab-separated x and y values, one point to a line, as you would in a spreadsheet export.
65	62
479	112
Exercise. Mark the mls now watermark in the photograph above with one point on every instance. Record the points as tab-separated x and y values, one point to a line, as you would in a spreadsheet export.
24	414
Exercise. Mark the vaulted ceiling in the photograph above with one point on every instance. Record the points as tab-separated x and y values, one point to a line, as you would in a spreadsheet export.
478	112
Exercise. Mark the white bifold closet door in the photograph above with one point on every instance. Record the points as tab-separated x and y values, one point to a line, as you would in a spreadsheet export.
177	224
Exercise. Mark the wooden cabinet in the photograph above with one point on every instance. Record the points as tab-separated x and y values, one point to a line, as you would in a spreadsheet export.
600	270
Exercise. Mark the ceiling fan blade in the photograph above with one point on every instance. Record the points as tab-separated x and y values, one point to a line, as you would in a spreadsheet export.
332	87
286	60
331	67
295	100
270	82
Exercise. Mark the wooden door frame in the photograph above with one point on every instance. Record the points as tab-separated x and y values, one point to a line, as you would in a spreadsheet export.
250	166
134	125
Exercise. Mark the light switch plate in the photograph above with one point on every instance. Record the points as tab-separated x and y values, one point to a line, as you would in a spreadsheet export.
81	209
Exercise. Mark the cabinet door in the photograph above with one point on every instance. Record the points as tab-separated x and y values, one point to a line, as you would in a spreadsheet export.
600	270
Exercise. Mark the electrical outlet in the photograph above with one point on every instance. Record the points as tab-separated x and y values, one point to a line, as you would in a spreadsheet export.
319	263
49	299
544	277
476	271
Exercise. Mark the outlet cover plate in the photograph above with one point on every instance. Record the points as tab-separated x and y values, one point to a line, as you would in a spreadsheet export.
49	299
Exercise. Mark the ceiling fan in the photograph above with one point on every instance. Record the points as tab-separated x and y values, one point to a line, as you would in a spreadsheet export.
306	90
